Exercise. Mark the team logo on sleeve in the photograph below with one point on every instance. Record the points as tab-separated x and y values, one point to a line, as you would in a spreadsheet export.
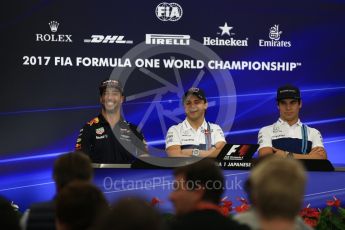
93	121
169	138
320	136
78	146
100	131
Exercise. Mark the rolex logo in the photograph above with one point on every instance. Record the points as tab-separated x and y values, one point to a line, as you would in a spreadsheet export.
53	26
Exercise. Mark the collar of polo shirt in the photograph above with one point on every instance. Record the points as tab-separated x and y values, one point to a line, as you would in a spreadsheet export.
298	123
187	126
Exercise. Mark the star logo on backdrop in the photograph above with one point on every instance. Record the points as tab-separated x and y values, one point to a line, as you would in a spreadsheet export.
226	29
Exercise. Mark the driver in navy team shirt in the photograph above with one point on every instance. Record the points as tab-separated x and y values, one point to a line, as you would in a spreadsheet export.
108	138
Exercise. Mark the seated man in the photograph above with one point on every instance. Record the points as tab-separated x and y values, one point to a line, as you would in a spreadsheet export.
73	166
80	205
289	137
108	138
276	188
194	136
198	189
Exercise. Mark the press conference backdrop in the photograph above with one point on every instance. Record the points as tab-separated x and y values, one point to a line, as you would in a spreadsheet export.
54	54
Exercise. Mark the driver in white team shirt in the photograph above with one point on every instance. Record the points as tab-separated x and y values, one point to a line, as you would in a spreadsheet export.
194	136
289	137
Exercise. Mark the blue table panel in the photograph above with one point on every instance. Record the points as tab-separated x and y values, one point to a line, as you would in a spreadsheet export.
27	182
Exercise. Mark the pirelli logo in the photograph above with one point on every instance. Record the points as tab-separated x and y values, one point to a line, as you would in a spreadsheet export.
167	39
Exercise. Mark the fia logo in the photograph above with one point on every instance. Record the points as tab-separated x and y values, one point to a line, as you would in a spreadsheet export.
275	33
169	11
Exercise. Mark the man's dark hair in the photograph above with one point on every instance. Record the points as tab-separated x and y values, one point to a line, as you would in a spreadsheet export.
80	205
9	218
279	101
208	175
130	214
72	166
